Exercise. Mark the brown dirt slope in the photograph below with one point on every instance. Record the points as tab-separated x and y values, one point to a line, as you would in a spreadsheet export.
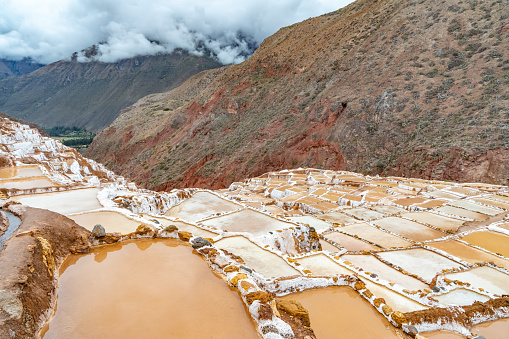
413	88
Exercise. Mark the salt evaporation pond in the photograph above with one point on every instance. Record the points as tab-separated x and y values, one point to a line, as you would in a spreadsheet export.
460	297
20	172
491	241
247	221
498	329
423	263
350	243
26	183
468	253
337	217
442	335
409	229
488	278
145	289
262	261
340	312
201	205
363	213
182	226
111	221
67	202
318	224
436	220
375	235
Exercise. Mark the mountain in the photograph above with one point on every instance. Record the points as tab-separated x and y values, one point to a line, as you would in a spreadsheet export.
10	68
90	95
410	88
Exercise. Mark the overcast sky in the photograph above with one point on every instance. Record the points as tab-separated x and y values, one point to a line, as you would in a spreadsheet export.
51	30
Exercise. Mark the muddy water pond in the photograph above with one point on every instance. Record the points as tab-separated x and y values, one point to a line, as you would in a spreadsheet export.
339	312
145	289
498	329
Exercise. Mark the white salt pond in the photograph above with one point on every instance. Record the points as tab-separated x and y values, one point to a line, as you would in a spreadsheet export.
375	235
35	182
439	221
320	264
460	212
423	263
111	221
491	202
471	206
20	172
201	205
262	261
363	213
389	210
182	226
408	229
328	247
247	220
460	297
350	243
337	217
318	224
145	289
396	301
489	279
371	264
66	202
337	312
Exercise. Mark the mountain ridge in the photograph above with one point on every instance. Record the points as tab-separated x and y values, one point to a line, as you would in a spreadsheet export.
410	88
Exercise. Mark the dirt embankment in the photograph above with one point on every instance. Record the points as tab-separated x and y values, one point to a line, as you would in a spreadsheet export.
27	265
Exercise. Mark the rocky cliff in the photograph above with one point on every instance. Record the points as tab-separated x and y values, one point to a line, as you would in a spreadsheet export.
413	88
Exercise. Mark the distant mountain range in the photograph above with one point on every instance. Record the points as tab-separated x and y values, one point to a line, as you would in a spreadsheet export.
91	95
396	87
9	68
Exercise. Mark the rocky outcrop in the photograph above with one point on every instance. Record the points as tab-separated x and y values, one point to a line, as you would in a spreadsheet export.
410	88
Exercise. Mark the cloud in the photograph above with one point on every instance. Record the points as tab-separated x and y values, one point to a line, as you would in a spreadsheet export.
50	30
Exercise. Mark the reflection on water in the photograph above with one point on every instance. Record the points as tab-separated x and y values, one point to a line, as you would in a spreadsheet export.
145	289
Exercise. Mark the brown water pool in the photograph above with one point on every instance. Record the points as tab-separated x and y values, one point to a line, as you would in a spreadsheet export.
145	289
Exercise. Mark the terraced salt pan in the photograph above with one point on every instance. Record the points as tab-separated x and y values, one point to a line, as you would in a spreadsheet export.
111	221
410	201
423	263
408	229
145	289
320	264
442	194
363	213
341	312
468	205
26	183
492	202
201	205
398	302
371	264
456	211
375	235
491	241
389	210
502	198
493	330
318	224
468	253
274	209
66	202
350	243
337	217
182	226
460	297
489	279
436	220
328	247
264	262
432	203
20	172
247	221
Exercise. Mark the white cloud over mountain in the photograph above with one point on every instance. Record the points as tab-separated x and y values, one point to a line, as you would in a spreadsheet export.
51	30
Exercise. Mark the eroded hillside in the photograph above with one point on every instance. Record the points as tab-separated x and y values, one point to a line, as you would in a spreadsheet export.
414	88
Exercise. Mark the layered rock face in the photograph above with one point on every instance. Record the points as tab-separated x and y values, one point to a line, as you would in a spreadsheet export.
413	88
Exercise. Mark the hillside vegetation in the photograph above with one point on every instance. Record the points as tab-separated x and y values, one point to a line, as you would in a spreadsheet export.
412	88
